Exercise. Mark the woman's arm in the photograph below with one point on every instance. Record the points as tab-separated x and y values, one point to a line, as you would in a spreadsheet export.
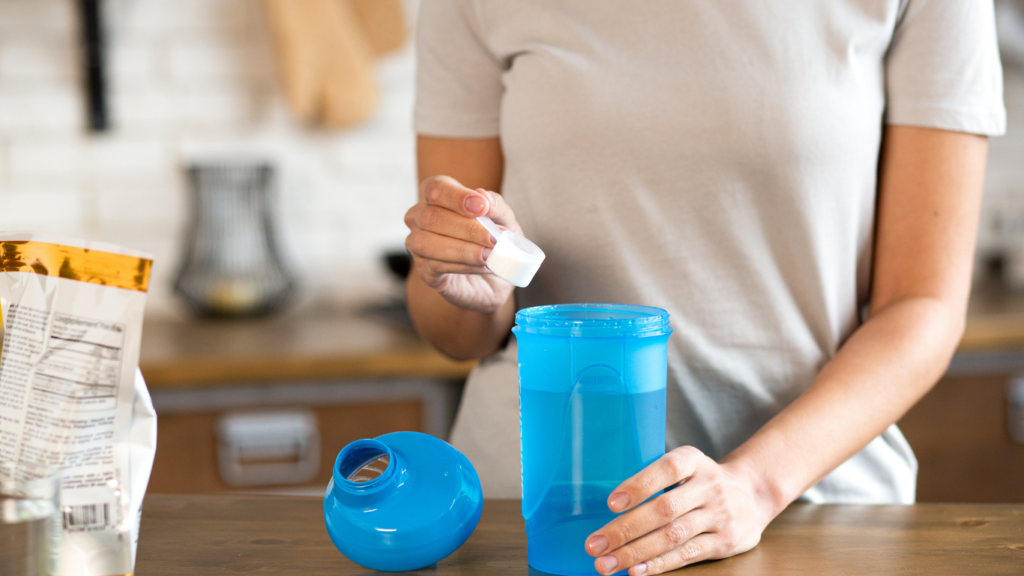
464	316
930	189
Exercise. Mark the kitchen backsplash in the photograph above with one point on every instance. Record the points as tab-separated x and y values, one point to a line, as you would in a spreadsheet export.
194	80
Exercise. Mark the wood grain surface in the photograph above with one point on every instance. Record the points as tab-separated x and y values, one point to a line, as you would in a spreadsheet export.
302	345
186	455
995	319
960	437
321	343
213	535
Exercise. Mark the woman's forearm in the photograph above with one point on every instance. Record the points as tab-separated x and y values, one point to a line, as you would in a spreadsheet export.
930	187
885	367
459	333
719	509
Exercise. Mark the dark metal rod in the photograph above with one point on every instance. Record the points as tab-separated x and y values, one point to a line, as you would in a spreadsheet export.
95	77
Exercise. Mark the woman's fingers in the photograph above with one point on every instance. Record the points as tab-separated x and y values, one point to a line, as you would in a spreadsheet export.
449	247
436	268
699	548
430	246
449	209
447	223
713	512
670	536
646	519
446	192
669	470
499	211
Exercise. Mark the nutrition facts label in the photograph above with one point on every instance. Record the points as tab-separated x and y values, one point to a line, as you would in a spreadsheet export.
82	362
59	387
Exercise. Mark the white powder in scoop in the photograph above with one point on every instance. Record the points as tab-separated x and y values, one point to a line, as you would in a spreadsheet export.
515	259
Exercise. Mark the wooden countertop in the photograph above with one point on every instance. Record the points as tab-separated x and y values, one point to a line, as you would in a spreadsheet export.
213	535
321	343
995	320
311	343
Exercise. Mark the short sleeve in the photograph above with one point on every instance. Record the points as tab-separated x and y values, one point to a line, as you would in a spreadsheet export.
458	80
943	70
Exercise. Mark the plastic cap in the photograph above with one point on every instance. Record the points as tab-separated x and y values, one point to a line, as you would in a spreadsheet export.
514	259
594	320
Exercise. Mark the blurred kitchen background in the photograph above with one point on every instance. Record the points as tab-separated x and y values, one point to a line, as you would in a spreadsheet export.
194	80
264	404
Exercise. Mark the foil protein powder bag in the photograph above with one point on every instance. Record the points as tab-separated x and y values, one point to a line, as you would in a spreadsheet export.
71	394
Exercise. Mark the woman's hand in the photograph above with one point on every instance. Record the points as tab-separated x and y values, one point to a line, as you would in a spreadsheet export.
713	513
449	247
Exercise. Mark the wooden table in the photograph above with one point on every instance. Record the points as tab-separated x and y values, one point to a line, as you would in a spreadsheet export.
213	535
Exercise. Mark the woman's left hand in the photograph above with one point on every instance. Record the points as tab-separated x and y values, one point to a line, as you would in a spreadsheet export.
713	513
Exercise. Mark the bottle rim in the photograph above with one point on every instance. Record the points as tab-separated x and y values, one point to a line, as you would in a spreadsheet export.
355	456
593	320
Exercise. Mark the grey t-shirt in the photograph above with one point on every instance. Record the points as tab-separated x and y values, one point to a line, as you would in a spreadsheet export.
714	158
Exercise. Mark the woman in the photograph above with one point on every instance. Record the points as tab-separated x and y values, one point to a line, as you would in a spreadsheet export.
797	183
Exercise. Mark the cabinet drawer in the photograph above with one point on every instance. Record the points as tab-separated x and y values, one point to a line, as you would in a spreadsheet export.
186	455
960	436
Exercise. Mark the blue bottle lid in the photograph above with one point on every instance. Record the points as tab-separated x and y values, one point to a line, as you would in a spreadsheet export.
401	501
593	320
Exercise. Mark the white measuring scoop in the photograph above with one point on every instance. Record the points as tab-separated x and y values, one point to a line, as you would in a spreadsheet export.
514	259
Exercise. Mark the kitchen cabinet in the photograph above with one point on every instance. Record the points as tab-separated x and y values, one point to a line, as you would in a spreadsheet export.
959	430
358	375
959	433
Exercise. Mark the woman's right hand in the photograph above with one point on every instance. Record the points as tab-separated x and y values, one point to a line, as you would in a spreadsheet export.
449	247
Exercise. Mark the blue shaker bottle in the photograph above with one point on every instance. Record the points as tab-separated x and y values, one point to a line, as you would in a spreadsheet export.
592	413
401	501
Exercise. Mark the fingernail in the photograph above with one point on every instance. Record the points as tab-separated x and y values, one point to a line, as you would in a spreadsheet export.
597	544
607	564
640	569
618	502
485	253
475	204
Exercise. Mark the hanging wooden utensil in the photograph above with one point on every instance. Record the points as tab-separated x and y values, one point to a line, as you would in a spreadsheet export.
325	54
383	21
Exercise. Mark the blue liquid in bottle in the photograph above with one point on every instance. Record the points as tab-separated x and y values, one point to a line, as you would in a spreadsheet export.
592	414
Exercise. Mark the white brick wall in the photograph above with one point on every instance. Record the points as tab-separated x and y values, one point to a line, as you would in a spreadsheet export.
193	80
57	208
42	17
28	62
30	110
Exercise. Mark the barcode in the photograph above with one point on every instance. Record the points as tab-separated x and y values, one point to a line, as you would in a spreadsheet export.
86	516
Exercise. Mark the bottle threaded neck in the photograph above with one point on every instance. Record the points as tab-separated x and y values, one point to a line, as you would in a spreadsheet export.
593	321
363	467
